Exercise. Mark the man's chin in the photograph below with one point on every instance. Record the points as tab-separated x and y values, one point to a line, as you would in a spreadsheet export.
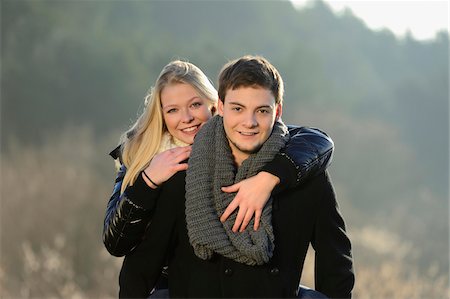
249	150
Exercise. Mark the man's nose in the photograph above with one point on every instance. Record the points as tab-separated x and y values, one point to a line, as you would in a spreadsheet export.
250	120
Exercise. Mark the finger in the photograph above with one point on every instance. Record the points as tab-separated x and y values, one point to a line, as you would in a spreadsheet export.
257	219
176	150
181	150
180	167
247	218
239	218
182	156
232	188
230	209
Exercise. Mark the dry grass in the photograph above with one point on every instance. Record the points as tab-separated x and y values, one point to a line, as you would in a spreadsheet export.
52	205
390	280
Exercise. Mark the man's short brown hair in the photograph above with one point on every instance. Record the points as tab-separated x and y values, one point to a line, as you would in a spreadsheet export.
251	71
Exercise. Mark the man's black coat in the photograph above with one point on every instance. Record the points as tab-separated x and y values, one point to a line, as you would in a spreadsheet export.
304	215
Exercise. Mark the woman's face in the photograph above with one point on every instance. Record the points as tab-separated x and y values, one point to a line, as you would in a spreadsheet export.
184	111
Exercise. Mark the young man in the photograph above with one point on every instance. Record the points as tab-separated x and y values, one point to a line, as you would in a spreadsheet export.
206	257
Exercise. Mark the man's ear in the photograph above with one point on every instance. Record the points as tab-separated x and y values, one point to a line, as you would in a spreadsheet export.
279	111
220	107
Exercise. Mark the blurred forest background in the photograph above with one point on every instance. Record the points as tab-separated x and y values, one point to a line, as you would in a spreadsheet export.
73	78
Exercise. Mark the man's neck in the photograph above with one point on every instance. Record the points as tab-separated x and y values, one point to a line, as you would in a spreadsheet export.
237	162
239	158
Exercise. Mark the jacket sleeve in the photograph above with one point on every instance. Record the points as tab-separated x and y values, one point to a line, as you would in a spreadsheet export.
308	152
141	269
334	273
127	215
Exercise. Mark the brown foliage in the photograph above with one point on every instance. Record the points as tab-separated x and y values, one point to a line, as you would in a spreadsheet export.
53	199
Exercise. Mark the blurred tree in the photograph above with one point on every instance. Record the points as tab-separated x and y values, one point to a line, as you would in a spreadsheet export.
383	99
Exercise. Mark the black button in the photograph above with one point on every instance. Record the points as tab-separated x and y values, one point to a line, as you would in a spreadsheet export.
274	271
228	272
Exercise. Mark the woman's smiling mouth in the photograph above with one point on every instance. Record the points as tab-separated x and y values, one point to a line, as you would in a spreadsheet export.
190	129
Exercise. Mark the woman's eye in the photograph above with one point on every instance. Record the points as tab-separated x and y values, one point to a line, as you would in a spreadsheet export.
173	110
196	104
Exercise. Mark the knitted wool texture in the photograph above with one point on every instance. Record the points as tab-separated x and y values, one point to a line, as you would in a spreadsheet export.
211	166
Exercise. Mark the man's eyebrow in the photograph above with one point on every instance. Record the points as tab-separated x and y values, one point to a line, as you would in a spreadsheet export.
242	105
236	103
265	106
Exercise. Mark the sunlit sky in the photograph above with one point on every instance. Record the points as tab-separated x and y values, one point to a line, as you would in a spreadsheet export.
422	18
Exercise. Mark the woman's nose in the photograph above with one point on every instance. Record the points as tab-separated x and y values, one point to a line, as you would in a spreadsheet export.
187	117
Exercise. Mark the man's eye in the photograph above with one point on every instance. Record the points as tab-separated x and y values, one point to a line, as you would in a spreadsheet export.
236	108
264	111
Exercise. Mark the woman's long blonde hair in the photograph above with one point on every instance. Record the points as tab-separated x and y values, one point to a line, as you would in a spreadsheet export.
141	142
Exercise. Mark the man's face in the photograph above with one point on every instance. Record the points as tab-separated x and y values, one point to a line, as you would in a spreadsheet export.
249	115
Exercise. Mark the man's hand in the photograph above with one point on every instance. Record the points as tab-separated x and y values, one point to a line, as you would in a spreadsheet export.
164	165
252	195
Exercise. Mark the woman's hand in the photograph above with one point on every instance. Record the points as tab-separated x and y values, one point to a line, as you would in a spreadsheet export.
252	195
164	165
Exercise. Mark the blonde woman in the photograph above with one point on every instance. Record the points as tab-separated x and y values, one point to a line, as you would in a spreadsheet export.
158	145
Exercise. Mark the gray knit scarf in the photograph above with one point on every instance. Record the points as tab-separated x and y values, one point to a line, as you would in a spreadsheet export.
211	166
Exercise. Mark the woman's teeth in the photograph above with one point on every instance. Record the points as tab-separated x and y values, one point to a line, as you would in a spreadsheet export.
190	129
